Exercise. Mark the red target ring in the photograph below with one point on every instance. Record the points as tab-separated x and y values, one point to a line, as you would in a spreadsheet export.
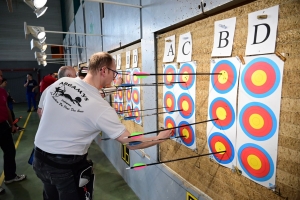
128	95
188	80
256	162
169	101
120	94
136	112
135	79
129	110
186	104
128	77
135	96
120	107
170	69
170	123
116	106
187	132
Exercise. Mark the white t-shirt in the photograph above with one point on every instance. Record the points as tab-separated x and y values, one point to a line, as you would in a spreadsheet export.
73	115
42	99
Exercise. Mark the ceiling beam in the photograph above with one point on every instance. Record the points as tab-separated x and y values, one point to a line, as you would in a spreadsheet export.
9	5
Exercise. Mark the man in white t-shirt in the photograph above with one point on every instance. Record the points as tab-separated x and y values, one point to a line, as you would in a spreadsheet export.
73	114
64	71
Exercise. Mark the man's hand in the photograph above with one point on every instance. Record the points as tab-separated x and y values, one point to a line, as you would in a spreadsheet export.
119	81
33	89
165	134
13	128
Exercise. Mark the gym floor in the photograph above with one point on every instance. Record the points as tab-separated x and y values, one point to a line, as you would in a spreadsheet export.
109	185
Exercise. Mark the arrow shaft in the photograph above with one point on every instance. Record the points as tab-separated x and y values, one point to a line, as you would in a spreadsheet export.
173	128
131	110
158	74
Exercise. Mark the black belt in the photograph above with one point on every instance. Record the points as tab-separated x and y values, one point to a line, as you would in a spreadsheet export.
59	155
42	155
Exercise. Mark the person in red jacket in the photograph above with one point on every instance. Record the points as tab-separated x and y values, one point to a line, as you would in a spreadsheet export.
47	80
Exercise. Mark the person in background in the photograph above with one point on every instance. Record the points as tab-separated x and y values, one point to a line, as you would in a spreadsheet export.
64	71
82	72
10	102
30	85
47	80
6	141
73	115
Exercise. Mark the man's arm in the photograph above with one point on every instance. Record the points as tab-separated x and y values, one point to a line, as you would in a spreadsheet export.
161	135
25	85
13	127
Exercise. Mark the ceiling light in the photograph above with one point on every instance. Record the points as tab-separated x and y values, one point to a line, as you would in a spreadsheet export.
38	9
37	44
39	12
36	31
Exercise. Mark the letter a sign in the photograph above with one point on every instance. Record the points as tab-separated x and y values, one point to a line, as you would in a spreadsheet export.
262	31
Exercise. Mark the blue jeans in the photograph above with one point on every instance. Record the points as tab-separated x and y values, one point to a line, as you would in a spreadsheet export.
30	96
59	184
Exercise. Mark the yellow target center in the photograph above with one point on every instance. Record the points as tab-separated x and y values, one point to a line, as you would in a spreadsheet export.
169	125
221	113
135	78
185	77
185	133
259	77
219	146
256	121
169	103
121	108
136	113
185	105
254	162
129	94
135	96
169	78
223	78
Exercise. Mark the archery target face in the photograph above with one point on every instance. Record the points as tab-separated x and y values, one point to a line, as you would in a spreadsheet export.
219	142
170	123
120	107
120	94
170	69
226	81
128	77
169	101
256	162
136	112
135	96
221	108
129	110
258	121
189	80
261	77
135	79
185	103
128	95
116	106
188	132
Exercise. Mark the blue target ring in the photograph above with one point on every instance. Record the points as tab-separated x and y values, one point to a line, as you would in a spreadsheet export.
189	79
191	134
270	69
253	107
229	73
186	100
170	69
265	172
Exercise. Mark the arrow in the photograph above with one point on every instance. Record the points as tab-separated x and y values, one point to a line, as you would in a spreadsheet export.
137	134
147	84
16	120
133	143
112	90
131	110
145	74
138	166
133	117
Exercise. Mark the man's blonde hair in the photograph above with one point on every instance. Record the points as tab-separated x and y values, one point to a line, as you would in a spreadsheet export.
99	60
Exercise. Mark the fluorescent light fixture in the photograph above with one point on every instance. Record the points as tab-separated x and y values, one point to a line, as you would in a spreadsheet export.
39	3
40	55
43	40
37	44
36	31
38	10
116	3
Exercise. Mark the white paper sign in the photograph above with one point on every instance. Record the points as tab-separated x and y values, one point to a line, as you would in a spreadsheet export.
184	53
262	32
119	61
135	58
223	37
170	49
127	59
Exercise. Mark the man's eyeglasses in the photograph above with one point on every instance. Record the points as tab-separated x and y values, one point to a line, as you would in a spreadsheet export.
115	72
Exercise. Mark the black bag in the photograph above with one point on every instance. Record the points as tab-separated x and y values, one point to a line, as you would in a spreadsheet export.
84	177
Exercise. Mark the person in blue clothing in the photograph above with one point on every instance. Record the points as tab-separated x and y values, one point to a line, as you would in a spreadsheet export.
30	85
